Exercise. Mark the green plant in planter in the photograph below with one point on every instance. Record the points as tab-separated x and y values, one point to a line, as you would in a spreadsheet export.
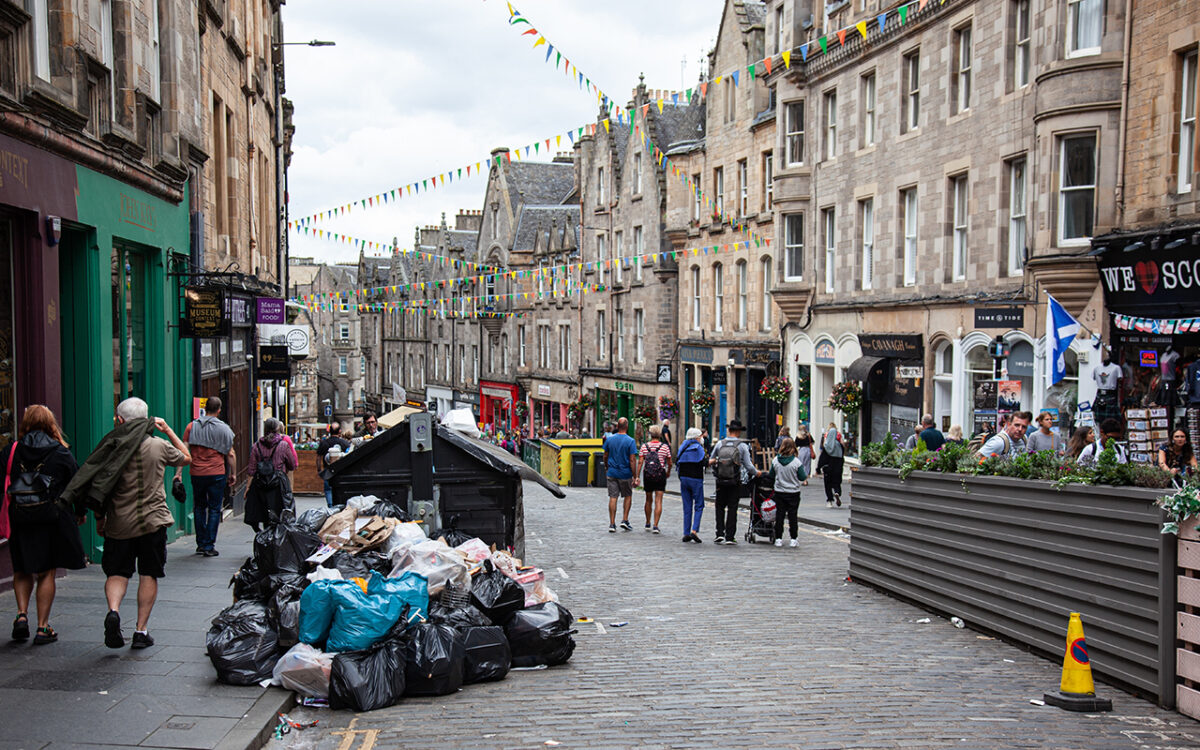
1180	506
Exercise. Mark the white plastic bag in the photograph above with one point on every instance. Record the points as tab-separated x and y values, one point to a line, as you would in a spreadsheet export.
362	503
462	420
321	573
434	560
475	550
305	670
404	534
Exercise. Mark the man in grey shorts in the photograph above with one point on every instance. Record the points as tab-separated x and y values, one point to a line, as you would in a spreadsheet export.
621	458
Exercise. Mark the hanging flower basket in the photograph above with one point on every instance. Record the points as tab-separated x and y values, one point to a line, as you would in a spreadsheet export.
579	408
775	388
703	401
846	397
645	415
520	408
668	408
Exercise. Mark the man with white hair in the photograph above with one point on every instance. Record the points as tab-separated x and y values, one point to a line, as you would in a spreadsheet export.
132	514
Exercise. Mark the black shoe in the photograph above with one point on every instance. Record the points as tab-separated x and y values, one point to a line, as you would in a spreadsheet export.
719	540
625	526
199	551
687	540
695	538
612	528
211	553
141	640
45	635
21	627
112	630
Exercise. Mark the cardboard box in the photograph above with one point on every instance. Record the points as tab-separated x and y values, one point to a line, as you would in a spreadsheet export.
1138	424
1136	414
1158	413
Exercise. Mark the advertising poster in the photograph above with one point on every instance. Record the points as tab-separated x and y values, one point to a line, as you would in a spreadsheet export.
1008	395
985	396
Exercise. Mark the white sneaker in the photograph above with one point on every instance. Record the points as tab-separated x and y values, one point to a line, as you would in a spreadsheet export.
829	504
793	543
778	542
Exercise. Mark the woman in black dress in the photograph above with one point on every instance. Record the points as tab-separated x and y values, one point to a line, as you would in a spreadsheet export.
44	537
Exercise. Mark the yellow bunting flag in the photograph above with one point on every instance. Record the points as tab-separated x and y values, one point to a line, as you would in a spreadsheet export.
862	28
787	58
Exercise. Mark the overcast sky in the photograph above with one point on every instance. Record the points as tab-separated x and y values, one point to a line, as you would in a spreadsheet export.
415	88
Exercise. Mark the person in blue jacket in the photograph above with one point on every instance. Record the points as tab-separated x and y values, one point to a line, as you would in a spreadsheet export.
691	460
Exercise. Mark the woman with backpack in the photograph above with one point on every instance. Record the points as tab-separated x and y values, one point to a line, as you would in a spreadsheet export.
269	497
656	467
44	535
691	461
831	464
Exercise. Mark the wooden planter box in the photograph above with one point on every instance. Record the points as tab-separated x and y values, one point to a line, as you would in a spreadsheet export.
1187	656
1015	557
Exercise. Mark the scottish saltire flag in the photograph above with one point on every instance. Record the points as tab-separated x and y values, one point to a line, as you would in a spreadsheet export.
1061	330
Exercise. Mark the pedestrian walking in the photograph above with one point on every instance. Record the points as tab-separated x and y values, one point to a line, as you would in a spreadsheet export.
666	433
691	460
931	435
733	467
788	472
332	439
784	433
1080	439
831	464
1010	439
44	533
269	497
122	480
1043	438
955	435
804	448
620	458
214	462
655	461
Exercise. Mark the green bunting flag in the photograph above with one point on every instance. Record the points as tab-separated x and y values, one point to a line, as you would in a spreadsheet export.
903	14
824	45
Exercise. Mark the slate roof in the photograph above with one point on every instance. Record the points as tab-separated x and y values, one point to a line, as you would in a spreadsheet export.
677	125
539	183
756	13
463	238
377	270
535	221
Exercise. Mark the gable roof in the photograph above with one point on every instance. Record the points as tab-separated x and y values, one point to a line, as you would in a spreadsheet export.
535	221
539	183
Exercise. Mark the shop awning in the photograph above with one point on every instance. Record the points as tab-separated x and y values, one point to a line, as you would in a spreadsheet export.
861	368
396	416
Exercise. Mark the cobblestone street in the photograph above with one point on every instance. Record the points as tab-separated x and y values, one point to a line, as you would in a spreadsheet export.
747	646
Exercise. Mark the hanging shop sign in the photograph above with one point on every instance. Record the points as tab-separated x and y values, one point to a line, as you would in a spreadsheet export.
274	363
664	374
720	376
204	314
1000	317
1139	277
237	309
269	311
897	345
825	353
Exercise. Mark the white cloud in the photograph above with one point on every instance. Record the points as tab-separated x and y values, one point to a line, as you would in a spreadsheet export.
416	88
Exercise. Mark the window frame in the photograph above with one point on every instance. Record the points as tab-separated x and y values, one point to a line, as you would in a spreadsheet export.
911	91
768	201
910	221
619	327
1072	29
719	190
600	187
697	197
793	257
1022	45
1063	139
639	248
962	70
829	236
743	294
521	351
696	298
40	39
959	224
343	365
618	257
602	339
1018	213
866	217
793	139
601	257
743	167
718	296
869	91
637	173
768	270
829	107
1185	162
639	335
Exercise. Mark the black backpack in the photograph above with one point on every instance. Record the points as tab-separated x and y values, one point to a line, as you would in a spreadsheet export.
655	470
265	473
729	464
30	498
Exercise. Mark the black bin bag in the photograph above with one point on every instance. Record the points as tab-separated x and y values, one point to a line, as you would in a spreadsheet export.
242	644
367	680
282	548
250	582
495	594
459	618
284	606
435	658
540	634
488	657
312	520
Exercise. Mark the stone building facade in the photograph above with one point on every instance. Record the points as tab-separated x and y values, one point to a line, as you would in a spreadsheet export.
340	363
727	322
901	215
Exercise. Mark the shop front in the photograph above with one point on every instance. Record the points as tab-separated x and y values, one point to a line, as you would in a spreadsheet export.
1151	282
441	400
548	407
733	375
467	400
496	404
892	372
635	400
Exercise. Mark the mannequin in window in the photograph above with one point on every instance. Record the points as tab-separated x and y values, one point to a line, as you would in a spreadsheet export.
1168	365
1108	377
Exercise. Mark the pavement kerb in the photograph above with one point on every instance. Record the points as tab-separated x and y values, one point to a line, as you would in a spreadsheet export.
255	728
810	521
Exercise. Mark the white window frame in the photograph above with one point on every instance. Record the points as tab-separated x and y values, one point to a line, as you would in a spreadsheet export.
602	337
639	336
1063	240
154	50
909	206
40	26
794	135
767	271
866	215
718	296
619	257
343	365
1185	163
695	298
600	186
793	247
637	173
620	333
1075	19
959	214
778	30
344	331
503	353
521	345
1018	210
768	181
719	190
868	92
601	257
730	100
912	91
639	250
475	363
829	224
743	294
1022	47
697	198
564	348
831	125
962	38
743	188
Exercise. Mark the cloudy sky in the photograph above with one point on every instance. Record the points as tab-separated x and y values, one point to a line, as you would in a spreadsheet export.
415	88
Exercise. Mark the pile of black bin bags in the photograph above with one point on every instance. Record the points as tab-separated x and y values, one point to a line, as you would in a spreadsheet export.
397	640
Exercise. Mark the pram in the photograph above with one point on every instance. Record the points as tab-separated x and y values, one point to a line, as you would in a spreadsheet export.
762	489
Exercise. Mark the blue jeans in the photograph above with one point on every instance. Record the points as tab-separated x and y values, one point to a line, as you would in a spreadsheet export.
692	491
208	497
328	495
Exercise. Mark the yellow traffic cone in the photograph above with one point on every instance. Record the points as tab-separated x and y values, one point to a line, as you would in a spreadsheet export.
1077	692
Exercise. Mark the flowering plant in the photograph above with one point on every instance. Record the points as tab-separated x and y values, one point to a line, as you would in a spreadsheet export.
580	407
846	397
703	401
668	408
775	388
520	408
645	415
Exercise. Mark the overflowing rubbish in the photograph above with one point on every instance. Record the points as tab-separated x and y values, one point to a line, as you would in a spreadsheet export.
354	607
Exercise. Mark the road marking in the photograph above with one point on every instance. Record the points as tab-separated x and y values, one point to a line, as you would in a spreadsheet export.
600	628
563	573
988	718
349	735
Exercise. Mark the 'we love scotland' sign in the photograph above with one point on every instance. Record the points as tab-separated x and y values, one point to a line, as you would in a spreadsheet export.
1146	280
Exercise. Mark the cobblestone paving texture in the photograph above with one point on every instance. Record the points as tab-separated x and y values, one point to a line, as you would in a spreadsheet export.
746	646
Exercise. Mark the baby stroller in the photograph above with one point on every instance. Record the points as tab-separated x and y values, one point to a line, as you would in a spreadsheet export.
762	508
